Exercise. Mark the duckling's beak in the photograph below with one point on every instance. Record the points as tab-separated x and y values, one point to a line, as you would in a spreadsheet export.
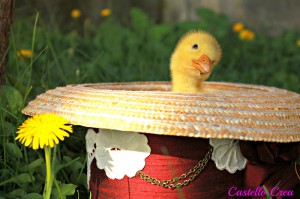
203	64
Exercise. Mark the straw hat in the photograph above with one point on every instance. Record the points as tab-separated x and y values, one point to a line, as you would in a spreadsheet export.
224	110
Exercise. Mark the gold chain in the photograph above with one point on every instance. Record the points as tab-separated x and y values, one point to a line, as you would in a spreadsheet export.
174	183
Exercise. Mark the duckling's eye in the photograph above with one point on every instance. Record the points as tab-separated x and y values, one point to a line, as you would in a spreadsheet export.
195	46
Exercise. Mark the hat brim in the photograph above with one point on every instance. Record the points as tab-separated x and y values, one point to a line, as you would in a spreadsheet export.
223	110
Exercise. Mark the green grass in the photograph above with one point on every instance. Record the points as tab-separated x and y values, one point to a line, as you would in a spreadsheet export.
112	52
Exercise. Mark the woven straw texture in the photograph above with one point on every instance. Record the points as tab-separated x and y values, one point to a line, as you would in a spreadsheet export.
223	110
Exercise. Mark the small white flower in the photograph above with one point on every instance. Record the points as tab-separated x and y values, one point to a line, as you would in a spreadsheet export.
227	155
119	153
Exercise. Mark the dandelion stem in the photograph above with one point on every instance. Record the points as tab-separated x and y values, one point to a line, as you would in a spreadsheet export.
49	179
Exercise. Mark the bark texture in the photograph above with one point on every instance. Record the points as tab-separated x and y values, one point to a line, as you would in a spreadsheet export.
6	16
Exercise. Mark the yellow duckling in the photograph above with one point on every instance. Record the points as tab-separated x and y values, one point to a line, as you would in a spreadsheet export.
193	60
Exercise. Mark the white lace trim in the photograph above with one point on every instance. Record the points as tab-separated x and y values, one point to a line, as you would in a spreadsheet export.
227	155
119	153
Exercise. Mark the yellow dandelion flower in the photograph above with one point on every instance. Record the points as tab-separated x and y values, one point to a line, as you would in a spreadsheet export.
43	130
237	27
75	13
24	53
298	42
105	12
247	35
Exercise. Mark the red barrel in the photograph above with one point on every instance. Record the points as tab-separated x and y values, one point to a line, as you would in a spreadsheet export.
170	157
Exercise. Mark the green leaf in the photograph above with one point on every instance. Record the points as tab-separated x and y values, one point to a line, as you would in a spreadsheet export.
58	166
23	178
75	166
4	174
16	193
13	150
33	165
65	190
79	180
7	128
68	189
139	20
11	99
206	13
157	33
32	196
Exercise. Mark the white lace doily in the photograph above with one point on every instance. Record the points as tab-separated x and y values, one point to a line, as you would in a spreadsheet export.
119	153
227	155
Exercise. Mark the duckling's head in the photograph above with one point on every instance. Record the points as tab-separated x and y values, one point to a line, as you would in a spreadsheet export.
194	57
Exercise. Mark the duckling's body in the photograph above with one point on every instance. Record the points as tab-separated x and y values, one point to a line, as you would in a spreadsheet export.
193	60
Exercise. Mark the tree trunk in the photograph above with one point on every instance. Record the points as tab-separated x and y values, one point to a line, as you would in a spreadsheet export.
6	13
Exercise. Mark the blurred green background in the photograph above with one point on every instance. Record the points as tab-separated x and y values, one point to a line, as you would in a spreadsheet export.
58	43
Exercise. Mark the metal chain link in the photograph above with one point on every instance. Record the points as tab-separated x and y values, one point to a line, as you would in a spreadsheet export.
174	183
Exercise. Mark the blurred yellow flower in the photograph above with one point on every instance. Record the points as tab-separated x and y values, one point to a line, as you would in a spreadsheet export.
298	42
24	53
43	130
237	27
105	12
75	13
247	35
